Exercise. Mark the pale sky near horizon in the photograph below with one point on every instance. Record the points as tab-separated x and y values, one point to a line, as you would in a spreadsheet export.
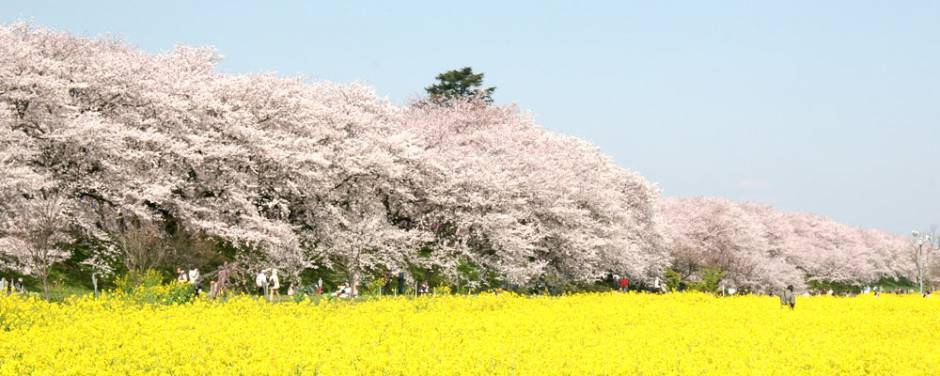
824	107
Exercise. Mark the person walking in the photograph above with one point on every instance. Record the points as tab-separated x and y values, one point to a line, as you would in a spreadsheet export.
788	298
386	288
221	279
20	287
261	282
196	279
400	284
275	284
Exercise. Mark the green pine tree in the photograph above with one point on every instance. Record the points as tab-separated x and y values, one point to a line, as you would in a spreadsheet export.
457	84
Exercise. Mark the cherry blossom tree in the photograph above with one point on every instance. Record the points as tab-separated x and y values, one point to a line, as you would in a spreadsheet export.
526	202
258	161
764	248
295	174
716	233
31	233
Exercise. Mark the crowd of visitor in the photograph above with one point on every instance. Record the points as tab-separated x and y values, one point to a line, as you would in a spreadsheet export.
267	283
12	286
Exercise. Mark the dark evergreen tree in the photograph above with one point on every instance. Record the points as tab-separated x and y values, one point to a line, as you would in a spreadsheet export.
460	83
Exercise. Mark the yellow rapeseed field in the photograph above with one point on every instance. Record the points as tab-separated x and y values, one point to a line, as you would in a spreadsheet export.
585	334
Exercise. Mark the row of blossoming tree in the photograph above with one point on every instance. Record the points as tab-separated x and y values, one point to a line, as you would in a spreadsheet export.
135	156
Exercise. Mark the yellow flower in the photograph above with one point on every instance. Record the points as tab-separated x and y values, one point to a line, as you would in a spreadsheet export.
505	334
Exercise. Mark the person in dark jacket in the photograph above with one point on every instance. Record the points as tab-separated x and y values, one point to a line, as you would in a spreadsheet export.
788	297
400	290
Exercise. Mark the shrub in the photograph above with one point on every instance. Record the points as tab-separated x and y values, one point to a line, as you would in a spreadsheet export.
149	288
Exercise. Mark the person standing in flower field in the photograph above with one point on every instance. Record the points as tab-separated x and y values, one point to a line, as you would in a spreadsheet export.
788	297
624	284
221	280
193	275
659	287
195	278
261	282
20	287
275	284
424	289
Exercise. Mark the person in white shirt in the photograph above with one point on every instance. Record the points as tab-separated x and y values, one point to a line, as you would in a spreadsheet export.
196	279
261	281
343	292
193	275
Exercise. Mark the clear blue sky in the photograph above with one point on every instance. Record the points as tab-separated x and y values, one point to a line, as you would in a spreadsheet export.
822	106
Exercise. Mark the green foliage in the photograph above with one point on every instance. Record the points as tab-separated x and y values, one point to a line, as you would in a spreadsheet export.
300	296
434	276
456	84
132	281
842	288
149	288
469	275
468	270
709	282
374	287
711	278
836	287
673	280
72	271
890	284
331	278
61	292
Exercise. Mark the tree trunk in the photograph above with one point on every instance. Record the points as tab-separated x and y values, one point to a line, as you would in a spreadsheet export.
45	286
94	283
354	281
920	268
